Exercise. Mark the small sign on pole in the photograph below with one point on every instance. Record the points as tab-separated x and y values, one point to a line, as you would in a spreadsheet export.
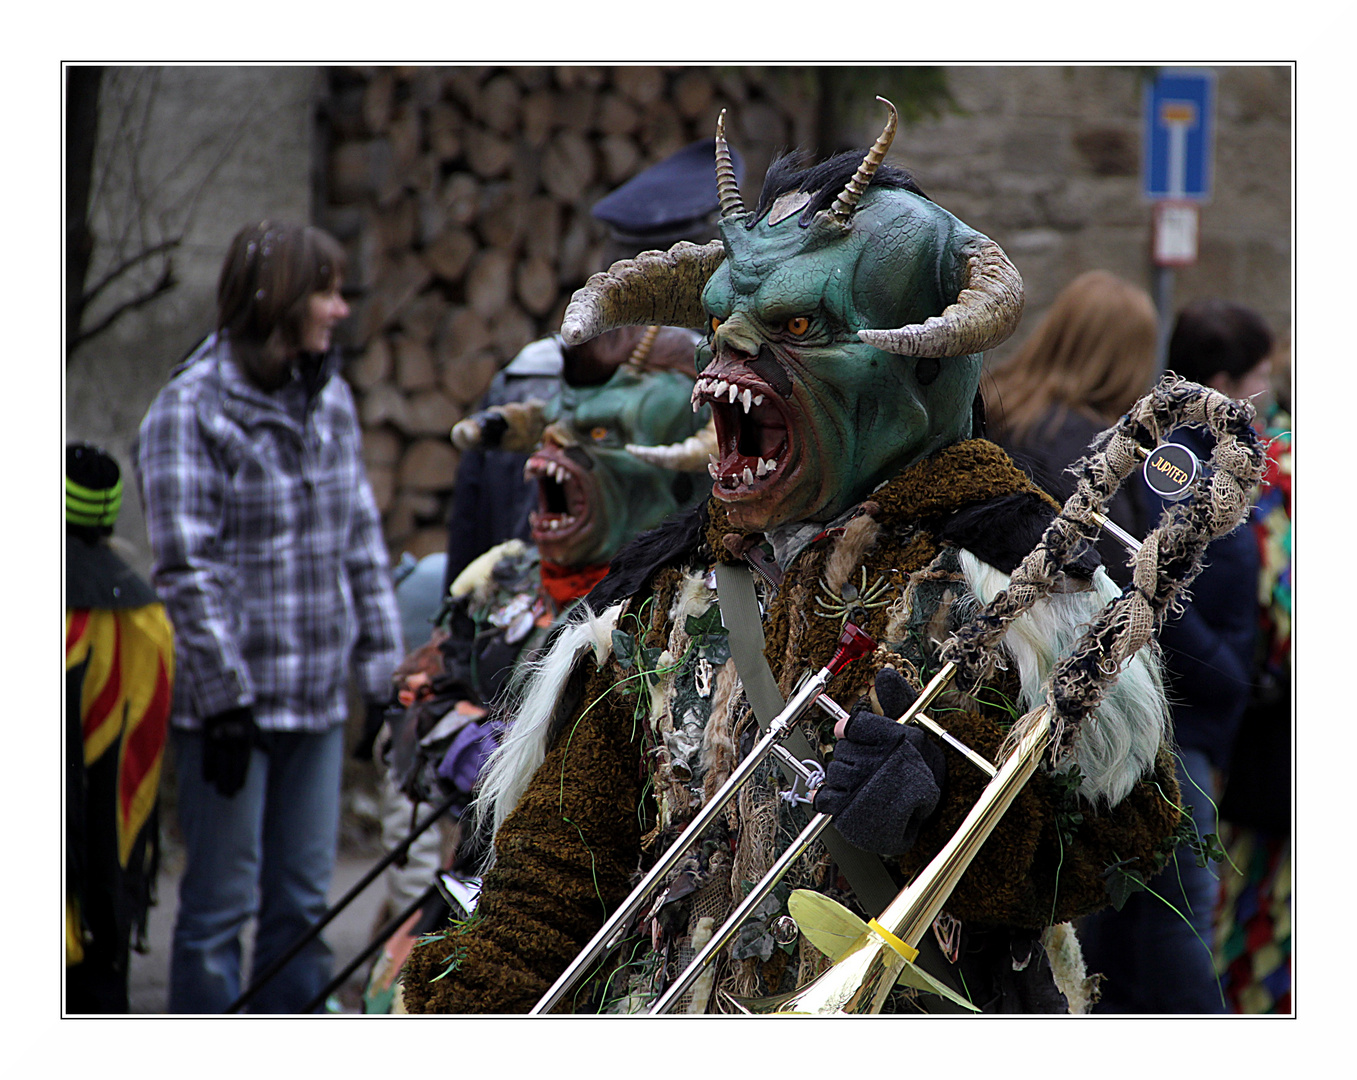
1178	136
1175	233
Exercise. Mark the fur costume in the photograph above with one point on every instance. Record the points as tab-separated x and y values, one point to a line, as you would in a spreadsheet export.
643	717
844	320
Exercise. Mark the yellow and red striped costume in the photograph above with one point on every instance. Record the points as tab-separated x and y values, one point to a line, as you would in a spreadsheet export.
120	670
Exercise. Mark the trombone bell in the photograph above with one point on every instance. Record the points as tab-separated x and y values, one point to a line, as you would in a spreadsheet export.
859	982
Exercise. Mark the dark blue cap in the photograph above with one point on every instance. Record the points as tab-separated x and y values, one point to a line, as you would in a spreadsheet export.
669	198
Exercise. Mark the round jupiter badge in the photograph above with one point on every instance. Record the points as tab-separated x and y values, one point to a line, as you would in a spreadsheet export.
1171	470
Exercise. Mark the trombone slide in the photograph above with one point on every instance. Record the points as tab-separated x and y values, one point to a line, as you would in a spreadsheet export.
853	643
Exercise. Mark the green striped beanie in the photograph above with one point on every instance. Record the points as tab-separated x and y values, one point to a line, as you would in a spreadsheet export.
94	487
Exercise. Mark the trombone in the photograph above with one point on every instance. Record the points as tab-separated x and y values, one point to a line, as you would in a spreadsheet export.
881	952
852	644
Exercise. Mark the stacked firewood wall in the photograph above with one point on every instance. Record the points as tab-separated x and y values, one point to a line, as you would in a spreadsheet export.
462	196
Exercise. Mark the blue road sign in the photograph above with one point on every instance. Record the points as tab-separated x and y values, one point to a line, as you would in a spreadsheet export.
1179	125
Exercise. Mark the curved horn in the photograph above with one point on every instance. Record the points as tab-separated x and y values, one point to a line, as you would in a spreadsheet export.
663	287
848	198
690	455
986	311
727	187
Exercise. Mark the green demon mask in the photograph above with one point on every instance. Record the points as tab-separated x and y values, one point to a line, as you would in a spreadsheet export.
844	331
618	448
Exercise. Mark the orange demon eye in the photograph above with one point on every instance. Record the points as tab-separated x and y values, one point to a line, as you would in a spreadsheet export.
598	434
798	325
715	324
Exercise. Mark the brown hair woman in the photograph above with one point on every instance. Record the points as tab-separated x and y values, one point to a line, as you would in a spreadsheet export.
1089	359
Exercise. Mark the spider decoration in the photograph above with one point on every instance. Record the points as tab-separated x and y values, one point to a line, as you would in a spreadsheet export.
852	603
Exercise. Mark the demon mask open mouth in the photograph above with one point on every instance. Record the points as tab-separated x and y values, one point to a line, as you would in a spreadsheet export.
567	503
754	435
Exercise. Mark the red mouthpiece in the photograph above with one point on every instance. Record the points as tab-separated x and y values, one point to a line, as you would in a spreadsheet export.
853	643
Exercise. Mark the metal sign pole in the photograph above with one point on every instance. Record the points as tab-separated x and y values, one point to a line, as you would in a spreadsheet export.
1177	178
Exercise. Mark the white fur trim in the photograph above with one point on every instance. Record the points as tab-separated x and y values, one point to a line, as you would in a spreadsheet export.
1118	743
524	746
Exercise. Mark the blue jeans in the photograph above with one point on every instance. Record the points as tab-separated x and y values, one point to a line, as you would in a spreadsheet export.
1154	960
268	851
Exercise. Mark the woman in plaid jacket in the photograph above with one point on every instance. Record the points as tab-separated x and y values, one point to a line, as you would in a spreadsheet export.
269	558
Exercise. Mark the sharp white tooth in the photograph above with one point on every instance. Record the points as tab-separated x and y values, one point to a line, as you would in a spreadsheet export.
758	472
719	390
734	393
748	475
746	398
758	399
712	470
772	464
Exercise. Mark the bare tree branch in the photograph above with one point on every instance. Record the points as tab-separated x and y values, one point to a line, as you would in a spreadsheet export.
163	284
123	267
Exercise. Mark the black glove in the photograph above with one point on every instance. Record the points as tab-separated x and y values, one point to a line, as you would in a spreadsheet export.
886	778
372	726
228	738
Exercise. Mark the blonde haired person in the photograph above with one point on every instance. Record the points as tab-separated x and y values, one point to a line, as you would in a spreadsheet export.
1089	359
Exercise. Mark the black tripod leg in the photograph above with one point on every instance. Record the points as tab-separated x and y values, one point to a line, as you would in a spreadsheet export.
383	935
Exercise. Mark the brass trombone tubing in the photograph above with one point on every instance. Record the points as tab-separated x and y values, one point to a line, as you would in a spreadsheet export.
803	841
807	695
1129	542
968	833
925	897
860	981
721	937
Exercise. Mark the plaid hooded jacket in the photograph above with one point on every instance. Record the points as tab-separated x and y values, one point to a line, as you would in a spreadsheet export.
267	544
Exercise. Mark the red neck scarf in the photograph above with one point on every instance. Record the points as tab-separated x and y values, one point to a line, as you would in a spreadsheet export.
566	584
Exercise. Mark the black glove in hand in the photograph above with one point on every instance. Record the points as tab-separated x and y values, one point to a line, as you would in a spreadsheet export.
372	726
886	778
228	739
